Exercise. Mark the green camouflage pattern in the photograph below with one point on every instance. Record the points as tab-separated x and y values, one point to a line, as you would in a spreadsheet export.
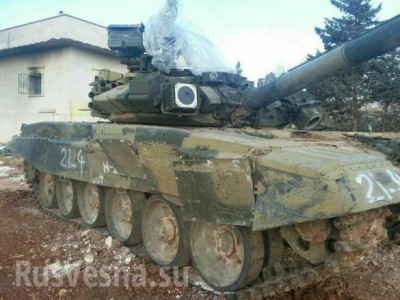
258	178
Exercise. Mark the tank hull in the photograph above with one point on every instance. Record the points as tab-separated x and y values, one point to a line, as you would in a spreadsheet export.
223	176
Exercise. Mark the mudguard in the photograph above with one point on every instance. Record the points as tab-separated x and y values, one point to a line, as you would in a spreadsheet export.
307	184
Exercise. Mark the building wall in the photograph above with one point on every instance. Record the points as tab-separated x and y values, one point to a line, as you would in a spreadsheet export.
63	26
67	73
83	66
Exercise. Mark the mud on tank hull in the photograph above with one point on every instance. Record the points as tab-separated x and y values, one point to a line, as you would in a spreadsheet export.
228	197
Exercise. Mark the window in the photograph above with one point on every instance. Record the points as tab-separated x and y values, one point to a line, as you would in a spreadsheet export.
35	84
23	83
31	84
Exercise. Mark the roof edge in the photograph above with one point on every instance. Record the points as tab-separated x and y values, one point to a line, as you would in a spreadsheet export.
54	44
50	18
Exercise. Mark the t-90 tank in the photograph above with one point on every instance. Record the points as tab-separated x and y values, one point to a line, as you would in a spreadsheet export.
192	167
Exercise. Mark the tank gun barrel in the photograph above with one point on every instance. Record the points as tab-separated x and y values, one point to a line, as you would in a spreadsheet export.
378	41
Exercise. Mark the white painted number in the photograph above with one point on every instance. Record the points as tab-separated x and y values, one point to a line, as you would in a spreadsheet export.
383	193
81	161
395	177
370	191
64	152
68	162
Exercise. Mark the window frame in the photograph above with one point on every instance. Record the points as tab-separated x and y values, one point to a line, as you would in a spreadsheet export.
31	87
26	83
23	84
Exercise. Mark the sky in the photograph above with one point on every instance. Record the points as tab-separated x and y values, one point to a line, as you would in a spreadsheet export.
264	35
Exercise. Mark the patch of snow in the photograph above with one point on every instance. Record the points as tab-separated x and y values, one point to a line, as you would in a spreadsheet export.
89	258
4	171
19	178
30	210
57	270
85	232
128	260
200	283
108	242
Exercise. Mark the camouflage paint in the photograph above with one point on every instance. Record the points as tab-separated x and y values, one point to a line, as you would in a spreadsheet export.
227	176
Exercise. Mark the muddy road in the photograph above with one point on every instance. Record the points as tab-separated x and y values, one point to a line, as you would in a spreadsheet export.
46	257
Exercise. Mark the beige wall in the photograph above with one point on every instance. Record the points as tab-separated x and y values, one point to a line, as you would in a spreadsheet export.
67	73
63	26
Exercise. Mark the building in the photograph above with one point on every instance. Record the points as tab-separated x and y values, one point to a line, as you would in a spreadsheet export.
46	68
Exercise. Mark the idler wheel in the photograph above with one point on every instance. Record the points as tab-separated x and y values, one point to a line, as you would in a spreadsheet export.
47	190
310	240
123	211
66	198
91	201
164	233
227	258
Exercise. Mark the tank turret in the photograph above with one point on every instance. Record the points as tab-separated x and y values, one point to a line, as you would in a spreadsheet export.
150	96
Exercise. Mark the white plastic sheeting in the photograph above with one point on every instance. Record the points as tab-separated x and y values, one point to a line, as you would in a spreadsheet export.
167	37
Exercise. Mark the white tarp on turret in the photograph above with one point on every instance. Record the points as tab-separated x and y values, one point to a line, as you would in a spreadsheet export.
167	37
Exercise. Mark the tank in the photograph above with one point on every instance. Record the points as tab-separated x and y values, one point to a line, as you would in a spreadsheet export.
199	169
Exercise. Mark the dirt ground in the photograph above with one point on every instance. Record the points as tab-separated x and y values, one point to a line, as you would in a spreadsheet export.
30	236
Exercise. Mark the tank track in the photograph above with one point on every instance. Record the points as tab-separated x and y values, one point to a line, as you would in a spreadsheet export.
358	238
359	235
284	281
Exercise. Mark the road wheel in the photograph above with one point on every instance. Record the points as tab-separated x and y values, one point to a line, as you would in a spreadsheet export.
91	201
47	190
66	198
123	212
228	258
164	233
